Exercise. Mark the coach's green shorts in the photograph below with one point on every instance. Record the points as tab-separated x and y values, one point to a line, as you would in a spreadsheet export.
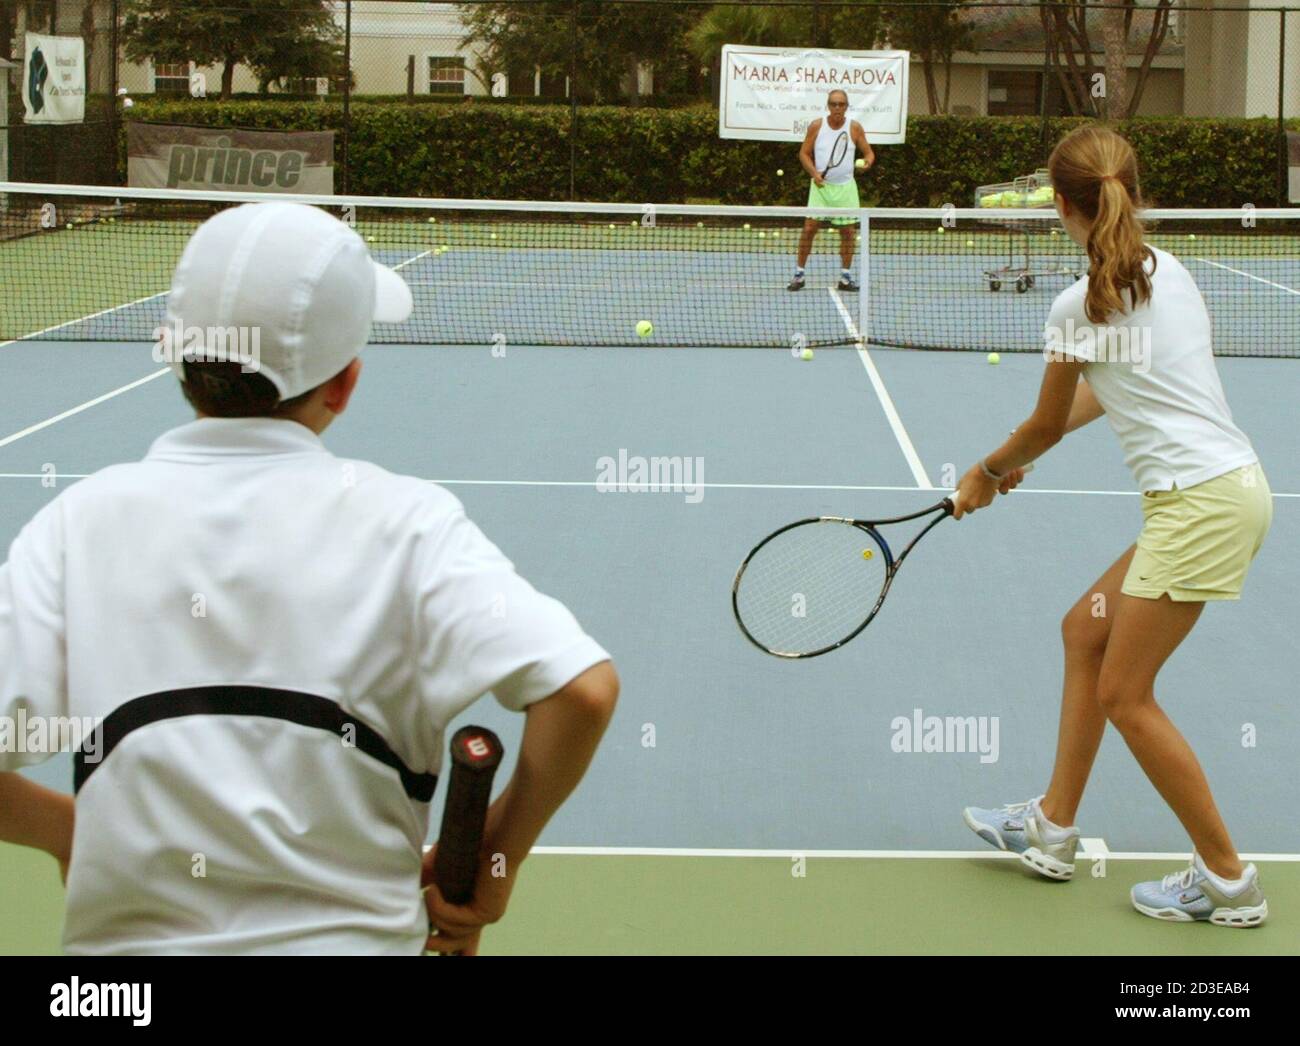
844	194
1197	544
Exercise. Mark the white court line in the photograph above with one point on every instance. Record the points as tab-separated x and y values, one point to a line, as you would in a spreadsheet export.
81	319
1250	276
79	408
858	855
589	483
886	402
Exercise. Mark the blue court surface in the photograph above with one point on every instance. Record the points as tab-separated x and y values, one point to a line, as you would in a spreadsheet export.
716	746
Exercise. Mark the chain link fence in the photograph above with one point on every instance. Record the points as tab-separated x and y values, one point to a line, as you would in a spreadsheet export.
1159	58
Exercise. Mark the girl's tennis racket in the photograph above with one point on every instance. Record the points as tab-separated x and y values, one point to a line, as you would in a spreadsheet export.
838	151
811	586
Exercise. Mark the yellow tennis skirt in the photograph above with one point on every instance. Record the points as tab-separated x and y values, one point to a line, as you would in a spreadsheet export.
843	194
1197	544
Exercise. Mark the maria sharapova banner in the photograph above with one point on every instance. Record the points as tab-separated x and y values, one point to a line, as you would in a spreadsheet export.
773	93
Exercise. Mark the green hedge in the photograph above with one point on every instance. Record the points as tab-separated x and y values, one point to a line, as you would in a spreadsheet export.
497	151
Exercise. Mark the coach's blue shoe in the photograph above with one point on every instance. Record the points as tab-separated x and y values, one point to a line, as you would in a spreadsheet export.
1195	895
1021	828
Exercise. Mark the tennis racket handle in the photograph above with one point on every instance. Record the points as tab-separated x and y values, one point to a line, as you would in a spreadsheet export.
475	755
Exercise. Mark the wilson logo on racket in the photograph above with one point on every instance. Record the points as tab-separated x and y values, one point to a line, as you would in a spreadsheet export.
478	747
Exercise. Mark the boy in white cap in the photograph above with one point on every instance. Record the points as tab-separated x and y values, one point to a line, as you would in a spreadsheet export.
272	641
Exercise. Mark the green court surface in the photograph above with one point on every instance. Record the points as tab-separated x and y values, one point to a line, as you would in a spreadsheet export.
688	905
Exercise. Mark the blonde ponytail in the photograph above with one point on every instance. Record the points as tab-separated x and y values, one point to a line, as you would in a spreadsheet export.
1095	169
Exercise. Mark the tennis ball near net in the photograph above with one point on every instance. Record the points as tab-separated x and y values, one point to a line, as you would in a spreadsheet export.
645	328
994	358
807	354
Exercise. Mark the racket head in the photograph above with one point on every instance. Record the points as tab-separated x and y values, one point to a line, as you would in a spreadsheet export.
838	151
811	586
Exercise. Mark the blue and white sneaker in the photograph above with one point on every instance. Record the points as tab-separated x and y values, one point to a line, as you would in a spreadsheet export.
1021	828
1195	895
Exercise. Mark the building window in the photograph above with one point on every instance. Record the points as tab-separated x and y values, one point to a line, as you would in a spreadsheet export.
171	77
554	85
522	80
1015	93
446	75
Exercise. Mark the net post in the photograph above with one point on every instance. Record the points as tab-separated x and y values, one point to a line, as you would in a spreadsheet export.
864	292
1281	110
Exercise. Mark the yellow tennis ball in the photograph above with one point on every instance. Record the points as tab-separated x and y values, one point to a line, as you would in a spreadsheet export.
433	221
780	173
645	328
747	226
861	165
994	358
807	354
1191	235
867	553
970	243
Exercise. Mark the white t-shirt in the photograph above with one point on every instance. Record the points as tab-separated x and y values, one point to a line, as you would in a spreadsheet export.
276	640
1153	371
824	147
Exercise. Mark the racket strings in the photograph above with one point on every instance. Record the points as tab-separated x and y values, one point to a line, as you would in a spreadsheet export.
811	587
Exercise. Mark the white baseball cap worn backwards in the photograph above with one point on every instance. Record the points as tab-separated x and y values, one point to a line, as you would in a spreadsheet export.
295	284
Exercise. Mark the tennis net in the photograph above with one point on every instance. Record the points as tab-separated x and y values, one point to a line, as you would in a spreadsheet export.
93	264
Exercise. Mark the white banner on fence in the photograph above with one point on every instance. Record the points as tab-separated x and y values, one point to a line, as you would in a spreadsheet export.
54	79
773	93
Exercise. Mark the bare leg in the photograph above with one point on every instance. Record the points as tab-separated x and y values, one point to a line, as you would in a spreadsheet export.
1143	635
806	238
847	232
1084	630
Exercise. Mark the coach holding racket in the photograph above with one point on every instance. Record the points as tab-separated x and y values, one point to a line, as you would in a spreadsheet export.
274	640
829	155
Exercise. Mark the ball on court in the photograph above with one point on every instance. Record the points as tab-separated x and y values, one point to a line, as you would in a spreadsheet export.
994	358
645	328
861	165
807	354
867	553
941	229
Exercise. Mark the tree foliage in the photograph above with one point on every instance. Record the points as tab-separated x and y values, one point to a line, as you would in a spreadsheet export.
277	39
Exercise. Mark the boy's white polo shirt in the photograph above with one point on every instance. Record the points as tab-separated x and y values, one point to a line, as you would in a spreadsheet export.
275	639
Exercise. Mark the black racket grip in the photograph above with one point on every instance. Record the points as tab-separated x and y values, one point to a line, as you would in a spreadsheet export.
475	755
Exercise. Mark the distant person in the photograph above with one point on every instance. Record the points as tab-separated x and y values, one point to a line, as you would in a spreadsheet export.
275	640
829	155
1206	506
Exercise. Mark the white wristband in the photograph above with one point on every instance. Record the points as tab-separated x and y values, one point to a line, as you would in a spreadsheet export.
989	472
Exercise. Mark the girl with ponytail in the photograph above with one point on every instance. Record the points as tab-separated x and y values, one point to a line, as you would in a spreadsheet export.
1206	507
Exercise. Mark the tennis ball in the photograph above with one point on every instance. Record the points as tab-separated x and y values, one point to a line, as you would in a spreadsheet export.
867	553
762	236
994	358
780	173
1191	235
645	328
433	221
699	225
747	226
807	354
970	243
861	165
941	229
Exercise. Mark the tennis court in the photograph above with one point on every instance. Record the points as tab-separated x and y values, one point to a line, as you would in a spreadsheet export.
740	803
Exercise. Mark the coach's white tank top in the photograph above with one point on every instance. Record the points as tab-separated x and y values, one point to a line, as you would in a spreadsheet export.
826	143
